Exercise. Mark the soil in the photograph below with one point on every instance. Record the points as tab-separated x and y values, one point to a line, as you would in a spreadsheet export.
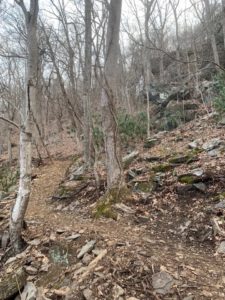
169	231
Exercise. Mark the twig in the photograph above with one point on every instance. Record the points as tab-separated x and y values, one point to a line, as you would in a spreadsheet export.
9	121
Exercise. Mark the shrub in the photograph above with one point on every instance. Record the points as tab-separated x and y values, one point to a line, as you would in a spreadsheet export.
132	126
219	102
8	178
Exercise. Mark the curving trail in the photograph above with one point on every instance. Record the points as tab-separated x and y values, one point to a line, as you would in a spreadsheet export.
198	268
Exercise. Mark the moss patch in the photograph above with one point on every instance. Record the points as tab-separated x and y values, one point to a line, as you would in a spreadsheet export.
188	179
185	159
162	168
104	206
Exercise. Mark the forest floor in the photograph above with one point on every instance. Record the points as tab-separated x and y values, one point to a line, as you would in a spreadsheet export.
161	246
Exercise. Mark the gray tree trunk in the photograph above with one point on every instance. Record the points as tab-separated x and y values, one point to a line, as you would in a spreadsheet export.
211	33
87	83
223	21
113	155
19	209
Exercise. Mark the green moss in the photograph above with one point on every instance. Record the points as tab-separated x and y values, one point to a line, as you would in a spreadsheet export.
188	179
162	168
149	143
104	206
147	186
185	159
219	197
8	178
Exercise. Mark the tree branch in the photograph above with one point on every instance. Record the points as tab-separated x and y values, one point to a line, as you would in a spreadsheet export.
9	121
23	7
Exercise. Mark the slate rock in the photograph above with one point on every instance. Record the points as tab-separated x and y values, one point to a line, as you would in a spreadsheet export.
78	173
212	144
149	143
200	186
117	292
86	248
220	205
31	270
162	282
87	258
193	145
221	248
128	159
73	237
30	292
214	153
87	293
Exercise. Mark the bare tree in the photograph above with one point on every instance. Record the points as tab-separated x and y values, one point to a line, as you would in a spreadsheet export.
110	128
19	209
87	82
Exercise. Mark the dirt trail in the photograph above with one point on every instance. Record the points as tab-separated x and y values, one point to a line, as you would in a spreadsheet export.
201	272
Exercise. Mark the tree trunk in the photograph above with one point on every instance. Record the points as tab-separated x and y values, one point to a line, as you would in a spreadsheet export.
87	83
113	155
19	209
210	28
223	21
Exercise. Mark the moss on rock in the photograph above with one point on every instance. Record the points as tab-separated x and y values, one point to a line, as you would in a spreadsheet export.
162	168
188	179
104	206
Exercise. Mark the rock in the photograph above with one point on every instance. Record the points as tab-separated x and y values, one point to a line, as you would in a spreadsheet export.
31	270
3	195
142	219
162	282
145	186
221	248
86	248
87	293
124	208
212	144
13	189
222	121
132	298
149	143
214	153
86	259
77	174
131	175
190	178
182	159
193	145
117	292
184	189
200	186
162	168
197	172
73	237
220	205
188	298
153	158
11	283
29	292
127	160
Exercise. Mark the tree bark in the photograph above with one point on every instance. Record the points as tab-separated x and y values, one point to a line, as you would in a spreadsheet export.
110	128
19	209
87	83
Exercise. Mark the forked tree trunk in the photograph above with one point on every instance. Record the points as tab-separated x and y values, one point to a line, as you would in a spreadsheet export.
19	209
113	155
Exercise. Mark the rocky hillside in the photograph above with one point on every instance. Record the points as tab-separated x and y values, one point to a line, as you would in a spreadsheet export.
163	239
